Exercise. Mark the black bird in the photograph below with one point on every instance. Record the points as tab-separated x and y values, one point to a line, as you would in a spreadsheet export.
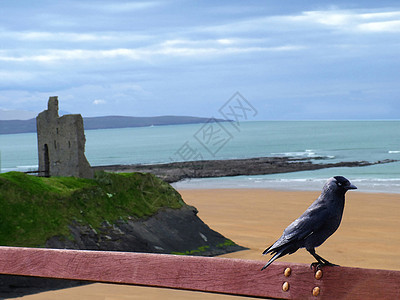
315	225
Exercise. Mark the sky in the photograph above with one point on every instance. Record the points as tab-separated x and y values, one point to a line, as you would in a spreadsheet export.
290	60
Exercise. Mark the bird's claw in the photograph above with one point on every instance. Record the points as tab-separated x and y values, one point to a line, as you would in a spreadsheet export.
318	265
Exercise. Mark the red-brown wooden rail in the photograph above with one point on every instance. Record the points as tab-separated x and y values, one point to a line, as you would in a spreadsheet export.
220	275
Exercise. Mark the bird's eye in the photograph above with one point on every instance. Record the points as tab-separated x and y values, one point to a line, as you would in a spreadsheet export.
339	184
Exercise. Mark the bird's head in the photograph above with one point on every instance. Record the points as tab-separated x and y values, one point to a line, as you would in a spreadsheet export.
339	184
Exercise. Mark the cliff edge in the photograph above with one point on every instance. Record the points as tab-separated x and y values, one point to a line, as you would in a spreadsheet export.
113	212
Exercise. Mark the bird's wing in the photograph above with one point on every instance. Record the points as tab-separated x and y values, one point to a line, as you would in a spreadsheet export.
308	223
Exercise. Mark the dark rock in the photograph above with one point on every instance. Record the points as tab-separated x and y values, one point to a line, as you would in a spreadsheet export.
168	231
172	172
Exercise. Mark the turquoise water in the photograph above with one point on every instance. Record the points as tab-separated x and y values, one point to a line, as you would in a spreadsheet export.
334	140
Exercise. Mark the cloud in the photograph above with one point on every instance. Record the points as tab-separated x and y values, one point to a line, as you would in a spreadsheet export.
99	101
353	20
123	7
387	26
251	35
333	18
9	114
329	18
53	55
149	56
64	37
169	49
58	36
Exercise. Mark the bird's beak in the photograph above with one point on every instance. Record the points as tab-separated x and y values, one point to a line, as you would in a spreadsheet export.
351	187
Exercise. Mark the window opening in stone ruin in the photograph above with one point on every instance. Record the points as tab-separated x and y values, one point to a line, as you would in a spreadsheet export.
46	161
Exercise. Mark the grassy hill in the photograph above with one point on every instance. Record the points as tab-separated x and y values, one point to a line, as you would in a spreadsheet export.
33	209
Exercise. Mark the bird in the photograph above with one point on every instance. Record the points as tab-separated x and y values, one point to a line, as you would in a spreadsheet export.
321	219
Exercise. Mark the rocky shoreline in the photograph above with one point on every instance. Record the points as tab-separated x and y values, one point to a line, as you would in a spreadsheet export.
176	171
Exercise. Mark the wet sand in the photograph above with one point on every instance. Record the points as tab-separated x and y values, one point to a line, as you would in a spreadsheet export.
369	236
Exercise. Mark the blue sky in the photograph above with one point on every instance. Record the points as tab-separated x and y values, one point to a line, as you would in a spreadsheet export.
289	59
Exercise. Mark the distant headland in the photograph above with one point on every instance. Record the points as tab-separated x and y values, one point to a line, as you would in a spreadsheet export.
26	126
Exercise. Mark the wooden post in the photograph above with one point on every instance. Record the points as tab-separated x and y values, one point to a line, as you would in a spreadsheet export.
219	275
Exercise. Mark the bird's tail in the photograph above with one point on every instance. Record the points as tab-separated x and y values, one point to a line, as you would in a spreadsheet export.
267	250
277	255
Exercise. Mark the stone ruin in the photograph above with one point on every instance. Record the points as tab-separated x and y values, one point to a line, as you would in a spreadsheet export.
61	143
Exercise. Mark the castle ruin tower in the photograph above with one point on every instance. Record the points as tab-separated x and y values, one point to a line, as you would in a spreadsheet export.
61	143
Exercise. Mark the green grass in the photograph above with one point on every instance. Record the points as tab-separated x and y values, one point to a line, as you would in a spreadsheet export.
33	209
202	249
199	250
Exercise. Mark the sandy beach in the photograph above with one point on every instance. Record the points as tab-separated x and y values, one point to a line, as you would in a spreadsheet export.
369	236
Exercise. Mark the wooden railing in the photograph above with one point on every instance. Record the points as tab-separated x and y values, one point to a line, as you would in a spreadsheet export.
218	275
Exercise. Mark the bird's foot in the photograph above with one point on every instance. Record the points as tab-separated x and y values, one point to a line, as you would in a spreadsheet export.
318	265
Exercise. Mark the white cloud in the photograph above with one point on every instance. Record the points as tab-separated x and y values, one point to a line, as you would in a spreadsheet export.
74	37
226	41
218	51
99	101
355	20
381	15
123	7
60	36
54	55
387	26
176	48
330	18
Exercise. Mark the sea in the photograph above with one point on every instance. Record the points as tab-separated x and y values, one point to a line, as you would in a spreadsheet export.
326	141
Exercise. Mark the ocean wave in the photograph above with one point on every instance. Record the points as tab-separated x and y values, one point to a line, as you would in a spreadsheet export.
28	167
376	179
5	170
394	151
20	168
307	153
